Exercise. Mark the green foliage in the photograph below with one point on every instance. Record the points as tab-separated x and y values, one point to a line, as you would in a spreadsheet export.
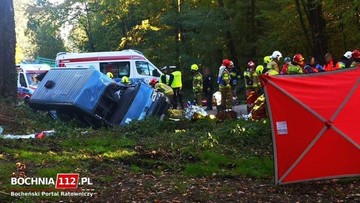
202	32
43	30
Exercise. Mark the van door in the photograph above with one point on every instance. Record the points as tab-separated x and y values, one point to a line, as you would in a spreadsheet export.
22	80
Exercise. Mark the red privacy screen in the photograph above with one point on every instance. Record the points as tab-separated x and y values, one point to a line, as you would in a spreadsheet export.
315	122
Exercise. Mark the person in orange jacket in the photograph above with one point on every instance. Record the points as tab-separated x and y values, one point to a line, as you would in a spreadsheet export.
330	65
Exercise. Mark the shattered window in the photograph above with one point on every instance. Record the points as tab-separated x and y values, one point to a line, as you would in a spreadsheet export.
118	69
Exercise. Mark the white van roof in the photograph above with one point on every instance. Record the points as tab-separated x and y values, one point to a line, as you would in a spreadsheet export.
127	54
25	67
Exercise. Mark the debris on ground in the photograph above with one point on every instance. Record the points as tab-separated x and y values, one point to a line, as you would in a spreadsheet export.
195	112
39	135
226	115
175	114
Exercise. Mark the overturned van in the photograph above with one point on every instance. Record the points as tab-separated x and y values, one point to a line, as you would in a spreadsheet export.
130	63
93	98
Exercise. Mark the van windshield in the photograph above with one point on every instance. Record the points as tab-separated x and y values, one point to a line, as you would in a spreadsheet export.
31	78
118	69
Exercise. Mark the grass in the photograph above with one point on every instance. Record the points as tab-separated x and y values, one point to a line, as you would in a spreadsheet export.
203	148
212	163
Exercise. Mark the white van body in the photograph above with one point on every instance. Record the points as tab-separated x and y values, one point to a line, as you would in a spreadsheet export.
130	63
26	81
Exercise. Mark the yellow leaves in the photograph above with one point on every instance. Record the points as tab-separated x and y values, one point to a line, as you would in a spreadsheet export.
210	141
118	154
145	24
19	54
51	153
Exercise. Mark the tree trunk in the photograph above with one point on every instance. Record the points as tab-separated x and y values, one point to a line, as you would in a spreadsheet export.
229	36
7	53
179	33
253	26
309	46
88	29
317	26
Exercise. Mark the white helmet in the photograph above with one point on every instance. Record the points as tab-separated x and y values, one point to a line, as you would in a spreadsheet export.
276	55
348	54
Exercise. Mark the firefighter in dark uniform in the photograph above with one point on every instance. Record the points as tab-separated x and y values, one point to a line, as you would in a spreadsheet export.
208	86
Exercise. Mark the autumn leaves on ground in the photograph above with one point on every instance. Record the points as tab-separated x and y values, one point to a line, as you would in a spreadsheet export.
202	161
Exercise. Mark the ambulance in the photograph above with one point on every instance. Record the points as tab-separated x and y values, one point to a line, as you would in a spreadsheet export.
130	63
26	78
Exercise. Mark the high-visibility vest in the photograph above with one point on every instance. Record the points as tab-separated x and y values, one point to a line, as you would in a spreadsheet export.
161	87
259	69
272	72
294	69
225	78
354	64
197	82
177	82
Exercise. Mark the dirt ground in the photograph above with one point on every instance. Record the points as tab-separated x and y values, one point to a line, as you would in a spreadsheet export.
129	187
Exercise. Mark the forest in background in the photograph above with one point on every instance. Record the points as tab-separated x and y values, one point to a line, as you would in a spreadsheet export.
182	32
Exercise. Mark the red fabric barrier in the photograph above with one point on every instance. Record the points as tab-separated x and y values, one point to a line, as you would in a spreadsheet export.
316	125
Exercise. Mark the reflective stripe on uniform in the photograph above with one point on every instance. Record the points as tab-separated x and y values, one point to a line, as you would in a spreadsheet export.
161	87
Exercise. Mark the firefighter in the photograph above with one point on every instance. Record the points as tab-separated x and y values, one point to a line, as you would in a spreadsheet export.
273	66
197	84
164	78
346	60
208	88
261	69
297	65
252	85
224	79
248	76
235	77
110	75
175	82
125	80
287	63
356	57
161	87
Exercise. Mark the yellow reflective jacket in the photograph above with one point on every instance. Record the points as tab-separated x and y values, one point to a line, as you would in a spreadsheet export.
177	82
225	78
161	87
294	69
197	82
